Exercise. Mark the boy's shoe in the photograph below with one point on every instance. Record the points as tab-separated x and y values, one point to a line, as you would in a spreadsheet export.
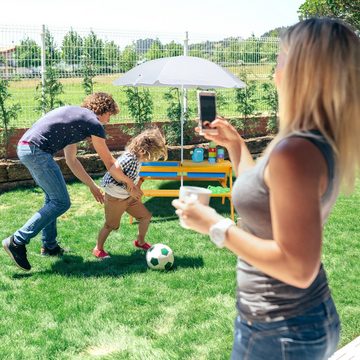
56	251
17	253
101	254
145	246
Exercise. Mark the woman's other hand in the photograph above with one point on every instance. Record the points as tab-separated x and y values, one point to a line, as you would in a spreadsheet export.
196	216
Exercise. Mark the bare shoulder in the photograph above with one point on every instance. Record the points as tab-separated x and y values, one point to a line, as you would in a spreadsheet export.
298	160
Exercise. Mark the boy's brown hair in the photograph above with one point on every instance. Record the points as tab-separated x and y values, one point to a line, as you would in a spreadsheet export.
150	145
101	103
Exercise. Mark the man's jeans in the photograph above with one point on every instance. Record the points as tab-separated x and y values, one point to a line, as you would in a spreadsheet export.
48	176
312	335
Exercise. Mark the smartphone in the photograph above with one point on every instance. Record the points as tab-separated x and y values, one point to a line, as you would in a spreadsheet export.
207	111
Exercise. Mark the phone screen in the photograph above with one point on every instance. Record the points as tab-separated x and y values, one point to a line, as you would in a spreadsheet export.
207	108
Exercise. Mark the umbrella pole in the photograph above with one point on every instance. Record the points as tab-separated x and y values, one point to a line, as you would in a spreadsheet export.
183	105
182	132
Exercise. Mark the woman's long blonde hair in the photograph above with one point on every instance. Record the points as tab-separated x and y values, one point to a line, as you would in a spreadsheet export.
320	88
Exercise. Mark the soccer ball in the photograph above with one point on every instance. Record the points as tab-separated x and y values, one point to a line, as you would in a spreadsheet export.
160	257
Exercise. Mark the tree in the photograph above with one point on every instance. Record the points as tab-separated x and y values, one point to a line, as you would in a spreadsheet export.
269	49
347	10
128	58
111	54
52	54
143	45
156	51
270	97
140	106
174	49
72	48
234	51
48	98
203	50
252	50
277	32
28	53
93	48
173	111
88	73
7	114
245	100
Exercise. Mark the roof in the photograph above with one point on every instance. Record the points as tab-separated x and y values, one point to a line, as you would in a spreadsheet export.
9	49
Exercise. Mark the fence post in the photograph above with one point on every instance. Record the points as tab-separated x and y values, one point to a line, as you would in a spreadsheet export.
183	108
186	51
43	65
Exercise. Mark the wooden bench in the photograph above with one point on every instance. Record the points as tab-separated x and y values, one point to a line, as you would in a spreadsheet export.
188	170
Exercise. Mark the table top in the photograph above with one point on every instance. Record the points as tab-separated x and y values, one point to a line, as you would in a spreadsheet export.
187	164
205	164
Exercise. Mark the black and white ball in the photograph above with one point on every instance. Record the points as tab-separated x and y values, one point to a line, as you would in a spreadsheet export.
160	257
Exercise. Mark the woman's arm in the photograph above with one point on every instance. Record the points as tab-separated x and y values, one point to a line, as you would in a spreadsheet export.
296	177
228	137
78	170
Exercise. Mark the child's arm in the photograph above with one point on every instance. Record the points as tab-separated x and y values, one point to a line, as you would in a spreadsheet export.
133	189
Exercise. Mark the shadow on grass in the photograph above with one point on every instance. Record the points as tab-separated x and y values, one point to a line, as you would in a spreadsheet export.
22	275
161	206
116	266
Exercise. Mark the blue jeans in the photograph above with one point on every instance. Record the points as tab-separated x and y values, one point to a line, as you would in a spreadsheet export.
313	335
46	173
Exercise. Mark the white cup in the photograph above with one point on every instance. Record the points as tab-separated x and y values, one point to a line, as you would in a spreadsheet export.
190	194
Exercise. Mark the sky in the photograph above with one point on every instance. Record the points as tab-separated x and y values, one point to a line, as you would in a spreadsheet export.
216	18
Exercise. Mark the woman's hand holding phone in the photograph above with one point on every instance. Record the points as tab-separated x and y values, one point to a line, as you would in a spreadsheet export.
225	135
206	110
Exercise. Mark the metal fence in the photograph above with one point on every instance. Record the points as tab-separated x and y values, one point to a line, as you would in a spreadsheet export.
77	56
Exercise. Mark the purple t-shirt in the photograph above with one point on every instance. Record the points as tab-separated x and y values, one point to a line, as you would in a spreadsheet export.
63	126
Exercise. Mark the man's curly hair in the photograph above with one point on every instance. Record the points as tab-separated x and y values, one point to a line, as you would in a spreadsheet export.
150	145
101	103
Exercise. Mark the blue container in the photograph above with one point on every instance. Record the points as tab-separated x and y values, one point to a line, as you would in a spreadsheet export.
220	154
198	155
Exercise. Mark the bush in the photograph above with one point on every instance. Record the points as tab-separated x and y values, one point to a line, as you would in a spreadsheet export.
140	105
173	128
7	114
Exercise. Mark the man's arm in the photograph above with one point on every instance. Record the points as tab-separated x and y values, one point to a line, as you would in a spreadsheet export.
113	167
78	170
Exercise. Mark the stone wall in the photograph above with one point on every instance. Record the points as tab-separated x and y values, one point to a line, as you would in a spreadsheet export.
14	174
118	137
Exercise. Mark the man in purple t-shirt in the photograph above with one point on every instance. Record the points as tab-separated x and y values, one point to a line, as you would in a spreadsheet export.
62	129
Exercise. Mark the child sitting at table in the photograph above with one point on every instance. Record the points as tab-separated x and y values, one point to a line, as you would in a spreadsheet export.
123	196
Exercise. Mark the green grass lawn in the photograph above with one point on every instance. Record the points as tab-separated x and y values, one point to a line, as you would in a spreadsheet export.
77	307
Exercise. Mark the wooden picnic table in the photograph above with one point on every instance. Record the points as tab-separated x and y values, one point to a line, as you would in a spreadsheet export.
190	171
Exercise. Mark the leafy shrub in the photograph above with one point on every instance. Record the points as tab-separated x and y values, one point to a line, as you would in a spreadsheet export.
173	128
270	97
48	97
140	105
245	97
7	114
